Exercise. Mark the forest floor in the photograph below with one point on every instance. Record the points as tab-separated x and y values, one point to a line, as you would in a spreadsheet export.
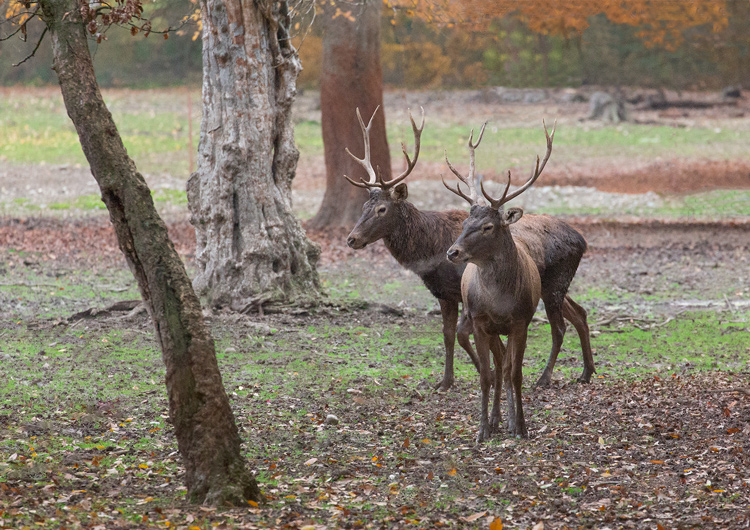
659	439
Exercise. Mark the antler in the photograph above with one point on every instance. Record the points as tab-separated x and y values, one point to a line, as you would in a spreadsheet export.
469	181
497	203
376	181
365	162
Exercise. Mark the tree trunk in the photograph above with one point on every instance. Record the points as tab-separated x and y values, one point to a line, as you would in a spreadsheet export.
199	409
351	77
250	248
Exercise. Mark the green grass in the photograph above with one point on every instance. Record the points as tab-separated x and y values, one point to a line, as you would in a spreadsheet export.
84	407
510	146
35	128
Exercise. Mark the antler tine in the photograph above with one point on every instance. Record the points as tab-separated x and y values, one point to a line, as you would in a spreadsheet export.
457	191
365	162
495	203
537	170
469	180
409	162
472	159
472	197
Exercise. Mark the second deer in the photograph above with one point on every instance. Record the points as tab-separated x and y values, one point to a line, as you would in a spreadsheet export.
500	287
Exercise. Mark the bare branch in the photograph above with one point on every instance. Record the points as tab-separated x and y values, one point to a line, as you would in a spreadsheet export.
33	52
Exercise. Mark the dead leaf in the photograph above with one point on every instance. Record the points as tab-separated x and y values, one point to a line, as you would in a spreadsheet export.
497	524
472	518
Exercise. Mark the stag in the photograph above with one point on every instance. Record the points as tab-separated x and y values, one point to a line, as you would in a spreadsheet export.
418	241
500	288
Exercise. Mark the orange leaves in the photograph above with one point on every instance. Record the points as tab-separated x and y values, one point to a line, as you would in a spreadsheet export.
662	23
497	524
345	14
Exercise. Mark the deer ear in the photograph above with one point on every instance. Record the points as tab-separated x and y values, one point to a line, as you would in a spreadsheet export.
400	192
512	215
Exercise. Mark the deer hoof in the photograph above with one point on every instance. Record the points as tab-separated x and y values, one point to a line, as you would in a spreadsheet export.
519	431
545	381
495	423
444	385
483	436
584	379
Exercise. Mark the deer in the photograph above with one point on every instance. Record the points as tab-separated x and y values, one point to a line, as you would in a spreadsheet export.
500	288
418	241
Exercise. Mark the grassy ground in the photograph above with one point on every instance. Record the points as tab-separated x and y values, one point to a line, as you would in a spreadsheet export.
658	440
154	126
86	440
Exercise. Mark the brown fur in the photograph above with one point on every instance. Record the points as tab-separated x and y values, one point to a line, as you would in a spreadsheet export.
418	240
500	289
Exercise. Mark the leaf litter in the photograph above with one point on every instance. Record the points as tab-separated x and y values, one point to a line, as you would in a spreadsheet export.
665	448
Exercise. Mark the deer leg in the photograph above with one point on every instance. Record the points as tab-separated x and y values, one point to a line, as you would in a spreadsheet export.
577	316
482	341
498	352
465	329
557	325
514	375
449	311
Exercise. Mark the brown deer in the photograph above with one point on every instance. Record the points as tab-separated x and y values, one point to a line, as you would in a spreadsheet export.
500	287
418	241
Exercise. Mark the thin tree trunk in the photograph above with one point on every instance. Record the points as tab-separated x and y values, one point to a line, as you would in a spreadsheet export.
199	409
351	78
250	248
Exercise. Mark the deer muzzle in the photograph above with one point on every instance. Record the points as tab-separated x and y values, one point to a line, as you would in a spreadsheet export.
455	254
355	242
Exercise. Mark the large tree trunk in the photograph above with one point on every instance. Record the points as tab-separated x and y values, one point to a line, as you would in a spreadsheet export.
351	77
207	436
250	248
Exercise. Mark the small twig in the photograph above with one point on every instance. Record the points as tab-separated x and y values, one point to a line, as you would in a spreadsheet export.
670	319
33	52
730	306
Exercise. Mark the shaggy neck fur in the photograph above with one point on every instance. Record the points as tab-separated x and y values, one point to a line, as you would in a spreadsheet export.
420	240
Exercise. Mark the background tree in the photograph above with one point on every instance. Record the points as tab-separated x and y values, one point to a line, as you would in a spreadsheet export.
351	78
251	250
199	409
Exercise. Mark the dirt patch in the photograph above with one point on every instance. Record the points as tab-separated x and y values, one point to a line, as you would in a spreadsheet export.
672	176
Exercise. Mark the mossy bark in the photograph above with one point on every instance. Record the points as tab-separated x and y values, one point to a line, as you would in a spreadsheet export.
207	436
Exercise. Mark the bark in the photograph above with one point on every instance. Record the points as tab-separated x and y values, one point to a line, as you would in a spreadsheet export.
250	248
351	77
199	409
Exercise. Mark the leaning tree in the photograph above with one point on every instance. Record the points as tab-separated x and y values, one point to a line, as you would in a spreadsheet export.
199	409
251	249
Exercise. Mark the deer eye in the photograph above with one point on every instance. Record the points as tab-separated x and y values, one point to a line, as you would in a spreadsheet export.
486	228
381	209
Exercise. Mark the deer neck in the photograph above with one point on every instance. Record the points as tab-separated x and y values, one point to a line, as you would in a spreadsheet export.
502	271
419	239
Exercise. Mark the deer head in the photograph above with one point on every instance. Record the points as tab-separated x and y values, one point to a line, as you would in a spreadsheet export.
486	232
378	213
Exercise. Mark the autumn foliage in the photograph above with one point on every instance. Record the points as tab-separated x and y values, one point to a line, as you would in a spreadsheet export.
661	23
469	43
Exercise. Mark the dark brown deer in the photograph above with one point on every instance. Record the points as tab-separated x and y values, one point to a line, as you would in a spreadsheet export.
500	287
418	240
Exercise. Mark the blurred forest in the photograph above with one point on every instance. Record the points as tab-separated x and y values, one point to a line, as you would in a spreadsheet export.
420	52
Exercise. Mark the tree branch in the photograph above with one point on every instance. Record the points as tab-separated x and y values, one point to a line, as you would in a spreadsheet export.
33	52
